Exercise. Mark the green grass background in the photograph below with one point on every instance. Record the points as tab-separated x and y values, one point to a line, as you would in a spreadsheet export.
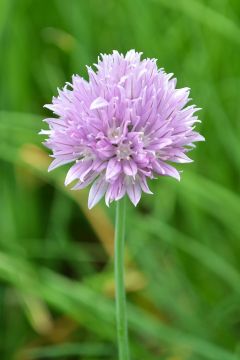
183	243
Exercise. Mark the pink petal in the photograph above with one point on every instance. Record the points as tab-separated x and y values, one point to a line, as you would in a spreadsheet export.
170	171
78	170
97	191
82	184
144	185
160	144
134	192
115	191
98	103
181	158
113	168
108	197
130	168
157	167
59	162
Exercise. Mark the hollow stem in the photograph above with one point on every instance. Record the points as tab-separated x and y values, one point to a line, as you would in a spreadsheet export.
121	314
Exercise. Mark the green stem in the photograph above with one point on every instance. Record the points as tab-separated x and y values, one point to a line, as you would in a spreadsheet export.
121	314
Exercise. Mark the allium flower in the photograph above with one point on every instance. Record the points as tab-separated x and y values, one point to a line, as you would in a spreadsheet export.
123	126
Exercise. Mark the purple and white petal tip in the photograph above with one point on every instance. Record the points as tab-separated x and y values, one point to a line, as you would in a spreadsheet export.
128	123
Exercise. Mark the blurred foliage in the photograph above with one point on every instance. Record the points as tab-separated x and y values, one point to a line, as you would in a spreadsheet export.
56	268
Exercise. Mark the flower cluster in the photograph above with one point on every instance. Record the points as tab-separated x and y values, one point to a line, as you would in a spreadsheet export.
123	126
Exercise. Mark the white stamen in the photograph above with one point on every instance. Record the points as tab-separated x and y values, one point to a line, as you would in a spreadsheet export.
114	134
124	151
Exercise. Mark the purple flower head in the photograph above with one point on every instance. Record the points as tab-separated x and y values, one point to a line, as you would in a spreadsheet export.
123	126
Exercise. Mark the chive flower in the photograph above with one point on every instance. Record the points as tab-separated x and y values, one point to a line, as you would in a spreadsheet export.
128	123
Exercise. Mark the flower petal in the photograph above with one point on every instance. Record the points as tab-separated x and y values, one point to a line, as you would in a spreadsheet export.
97	191
59	162
134	192
170	171
79	171
88	180
113	168
181	158
144	185
130	168
115	191
98	103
